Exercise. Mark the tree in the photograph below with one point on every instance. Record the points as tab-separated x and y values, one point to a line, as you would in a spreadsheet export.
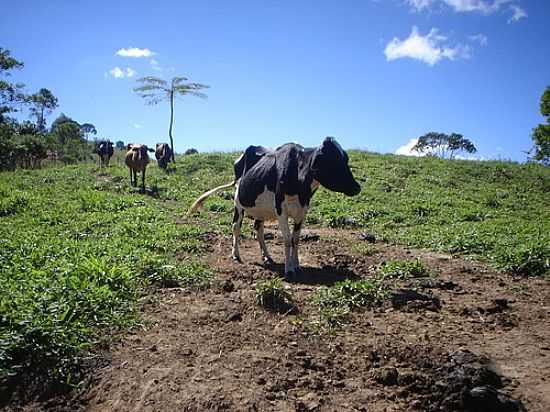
155	90
120	145
11	94
541	133
61	119
87	129
443	145
42	104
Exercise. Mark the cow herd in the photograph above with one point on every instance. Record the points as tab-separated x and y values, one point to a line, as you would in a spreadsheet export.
270	185
137	158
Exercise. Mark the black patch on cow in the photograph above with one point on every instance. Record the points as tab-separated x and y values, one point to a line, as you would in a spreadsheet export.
330	168
248	159
104	148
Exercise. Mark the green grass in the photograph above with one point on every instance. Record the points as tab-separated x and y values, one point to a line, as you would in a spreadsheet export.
335	303
403	269
78	246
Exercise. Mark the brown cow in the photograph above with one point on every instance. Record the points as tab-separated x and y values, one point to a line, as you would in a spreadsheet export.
137	159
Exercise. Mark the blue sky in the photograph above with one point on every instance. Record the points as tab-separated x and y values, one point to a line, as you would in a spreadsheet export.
374	74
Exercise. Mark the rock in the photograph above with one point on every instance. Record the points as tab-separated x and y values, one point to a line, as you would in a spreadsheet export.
369	237
228	286
235	317
310	237
387	376
488	399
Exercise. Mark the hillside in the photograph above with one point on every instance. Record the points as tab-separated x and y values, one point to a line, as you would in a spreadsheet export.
80	249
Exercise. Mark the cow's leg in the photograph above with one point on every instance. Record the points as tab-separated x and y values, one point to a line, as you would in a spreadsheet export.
287	238
259	226
143	180
238	215
295	242
131	177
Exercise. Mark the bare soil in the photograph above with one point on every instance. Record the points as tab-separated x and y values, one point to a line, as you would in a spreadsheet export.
217	350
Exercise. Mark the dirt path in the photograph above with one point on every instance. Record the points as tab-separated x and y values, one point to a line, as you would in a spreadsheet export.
217	350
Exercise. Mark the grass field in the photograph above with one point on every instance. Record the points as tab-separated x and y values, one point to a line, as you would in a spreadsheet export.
79	247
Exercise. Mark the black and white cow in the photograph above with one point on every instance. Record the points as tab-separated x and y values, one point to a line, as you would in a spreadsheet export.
278	185
104	149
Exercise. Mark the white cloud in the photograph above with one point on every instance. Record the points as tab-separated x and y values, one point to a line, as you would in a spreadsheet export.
466	6
135	52
419	5
121	73
406	149
519	13
483	6
428	49
479	38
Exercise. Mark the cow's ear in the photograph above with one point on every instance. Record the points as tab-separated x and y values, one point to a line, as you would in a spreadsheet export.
128	146
158	144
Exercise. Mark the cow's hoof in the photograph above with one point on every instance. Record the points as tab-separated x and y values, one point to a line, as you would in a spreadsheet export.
290	276
268	261
237	259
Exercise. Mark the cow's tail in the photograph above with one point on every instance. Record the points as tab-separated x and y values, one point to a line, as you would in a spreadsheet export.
198	203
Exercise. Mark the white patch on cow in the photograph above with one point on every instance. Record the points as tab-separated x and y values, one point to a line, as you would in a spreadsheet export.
264	206
291	205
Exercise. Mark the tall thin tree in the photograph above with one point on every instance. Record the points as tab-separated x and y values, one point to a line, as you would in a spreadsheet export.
155	90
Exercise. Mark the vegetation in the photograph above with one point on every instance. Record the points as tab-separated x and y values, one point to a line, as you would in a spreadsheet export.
541	133
272	295
25	144
403	269
11	94
78	249
155	90
337	302
443	145
75	255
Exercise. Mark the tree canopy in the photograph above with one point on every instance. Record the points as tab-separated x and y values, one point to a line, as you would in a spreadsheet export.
11	94
443	145
155	90
42	104
541	133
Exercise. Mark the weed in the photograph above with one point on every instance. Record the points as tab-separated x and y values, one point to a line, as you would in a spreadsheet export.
364	249
272	295
337	301
402	269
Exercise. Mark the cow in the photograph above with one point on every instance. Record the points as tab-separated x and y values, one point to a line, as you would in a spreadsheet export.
137	160
163	153
104	149
278	185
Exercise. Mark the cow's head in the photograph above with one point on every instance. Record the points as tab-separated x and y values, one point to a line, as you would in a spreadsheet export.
330	167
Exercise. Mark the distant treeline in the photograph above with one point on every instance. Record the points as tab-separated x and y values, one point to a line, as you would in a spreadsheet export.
26	143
